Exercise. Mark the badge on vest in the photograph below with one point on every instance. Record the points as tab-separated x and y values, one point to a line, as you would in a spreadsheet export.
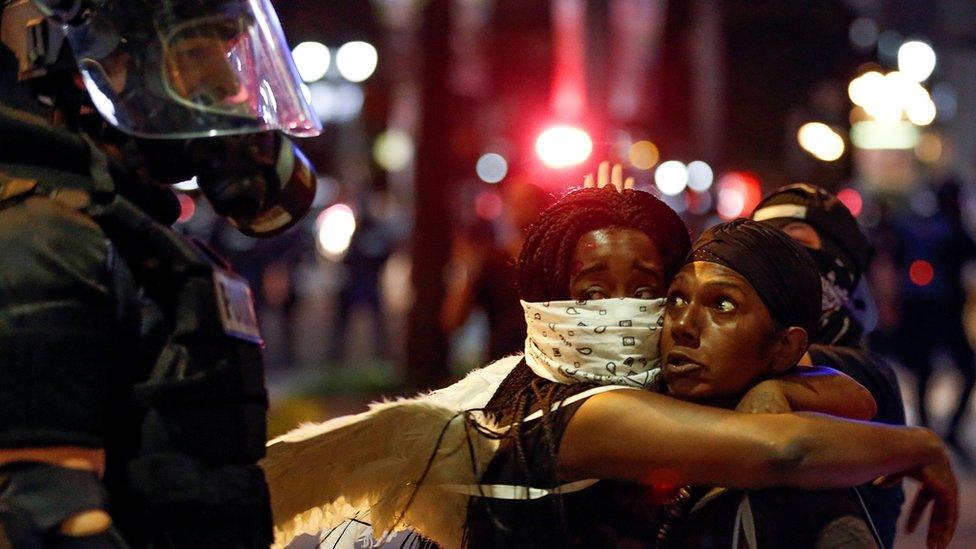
236	305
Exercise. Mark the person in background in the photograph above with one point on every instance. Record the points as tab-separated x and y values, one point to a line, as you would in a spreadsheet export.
932	251
481	272
371	245
820	222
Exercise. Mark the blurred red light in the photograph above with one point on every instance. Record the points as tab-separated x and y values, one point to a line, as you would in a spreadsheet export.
852	199
921	273
488	205
738	193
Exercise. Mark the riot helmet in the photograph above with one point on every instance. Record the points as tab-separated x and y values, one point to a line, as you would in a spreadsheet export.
204	88
174	69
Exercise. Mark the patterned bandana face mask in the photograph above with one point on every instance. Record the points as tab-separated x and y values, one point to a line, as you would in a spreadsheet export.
606	341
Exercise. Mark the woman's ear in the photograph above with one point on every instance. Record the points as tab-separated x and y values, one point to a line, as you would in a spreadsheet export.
789	348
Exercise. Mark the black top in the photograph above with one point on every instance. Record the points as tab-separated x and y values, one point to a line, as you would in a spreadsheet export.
783	517
627	514
871	371
607	514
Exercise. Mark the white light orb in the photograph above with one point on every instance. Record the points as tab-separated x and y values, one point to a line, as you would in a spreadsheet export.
865	88
916	60
312	59
491	168
919	107
336	101
356	61
731	202
671	177
700	176
334	228
393	150
563	146
821	141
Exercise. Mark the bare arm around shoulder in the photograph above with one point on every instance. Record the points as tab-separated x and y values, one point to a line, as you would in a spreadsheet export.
811	389
627	434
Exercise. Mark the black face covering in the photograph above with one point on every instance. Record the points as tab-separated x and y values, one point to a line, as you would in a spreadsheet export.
842	257
840	308
261	182
781	272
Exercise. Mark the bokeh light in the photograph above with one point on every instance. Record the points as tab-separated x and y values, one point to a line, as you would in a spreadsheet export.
679	202
886	98
491	168
871	135
643	155
563	146
946	101
312	59
821	141
738	194
929	148
334	228
356	61
671	177
863	89
852	199
339	102
393	150
863	33
700	203
924	203
921	273
916	60
700	176
919	106
488	205
888	43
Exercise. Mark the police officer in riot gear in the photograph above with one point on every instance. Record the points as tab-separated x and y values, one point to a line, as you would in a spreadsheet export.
132	399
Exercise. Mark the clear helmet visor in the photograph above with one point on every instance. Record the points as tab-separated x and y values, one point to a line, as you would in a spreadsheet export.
191	68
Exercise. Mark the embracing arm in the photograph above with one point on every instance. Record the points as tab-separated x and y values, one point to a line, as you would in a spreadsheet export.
811	389
630	435
626	434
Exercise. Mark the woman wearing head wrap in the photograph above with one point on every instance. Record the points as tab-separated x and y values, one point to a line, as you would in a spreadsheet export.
740	310
567	414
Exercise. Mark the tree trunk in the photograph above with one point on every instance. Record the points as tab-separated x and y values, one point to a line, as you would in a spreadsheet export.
426	345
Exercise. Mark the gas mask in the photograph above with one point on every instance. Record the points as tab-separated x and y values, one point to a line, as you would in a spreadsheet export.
262	183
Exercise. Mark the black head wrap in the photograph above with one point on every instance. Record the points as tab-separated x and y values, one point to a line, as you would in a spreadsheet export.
778	268
841	235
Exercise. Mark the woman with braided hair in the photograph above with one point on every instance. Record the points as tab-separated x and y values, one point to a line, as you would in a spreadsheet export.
583	454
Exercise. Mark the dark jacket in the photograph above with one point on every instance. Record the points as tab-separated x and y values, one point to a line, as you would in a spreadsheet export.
77	334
